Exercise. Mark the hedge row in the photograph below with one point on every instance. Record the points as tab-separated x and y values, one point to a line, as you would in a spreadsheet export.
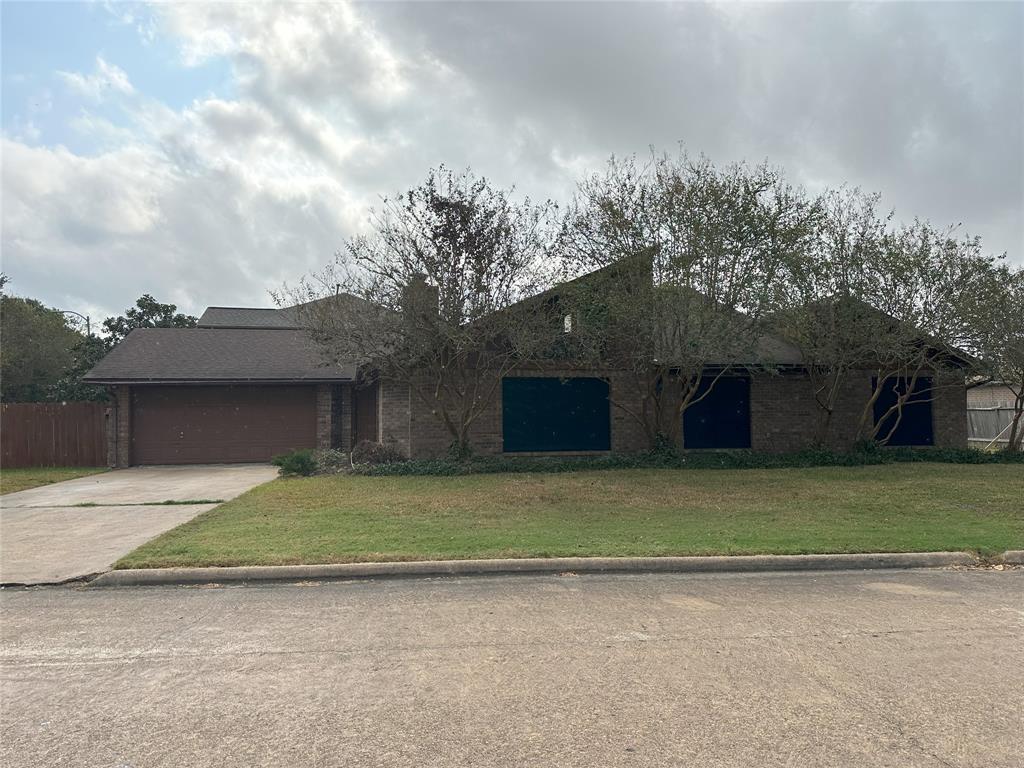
704	460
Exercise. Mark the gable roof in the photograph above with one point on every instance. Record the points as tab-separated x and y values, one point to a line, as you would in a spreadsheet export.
217	355
884	321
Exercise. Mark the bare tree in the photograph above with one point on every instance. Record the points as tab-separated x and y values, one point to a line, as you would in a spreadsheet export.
689	255
428	296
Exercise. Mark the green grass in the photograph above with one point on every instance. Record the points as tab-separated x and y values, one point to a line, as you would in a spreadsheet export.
335	519
13	480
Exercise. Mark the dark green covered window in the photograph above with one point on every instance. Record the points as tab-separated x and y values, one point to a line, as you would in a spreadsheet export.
913	425
551	414
721	417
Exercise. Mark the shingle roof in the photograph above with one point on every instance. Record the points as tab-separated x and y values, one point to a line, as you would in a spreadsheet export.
217	355
248	317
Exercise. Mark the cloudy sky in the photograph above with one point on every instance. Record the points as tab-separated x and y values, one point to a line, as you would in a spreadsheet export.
208	153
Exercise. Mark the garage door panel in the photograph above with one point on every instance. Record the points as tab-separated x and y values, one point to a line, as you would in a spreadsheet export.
197	425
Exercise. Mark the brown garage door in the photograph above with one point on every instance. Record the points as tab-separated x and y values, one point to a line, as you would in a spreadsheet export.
210	425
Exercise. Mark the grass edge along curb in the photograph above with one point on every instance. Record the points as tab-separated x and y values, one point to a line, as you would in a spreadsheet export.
555	565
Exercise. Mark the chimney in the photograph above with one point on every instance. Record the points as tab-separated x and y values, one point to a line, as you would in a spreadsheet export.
419	298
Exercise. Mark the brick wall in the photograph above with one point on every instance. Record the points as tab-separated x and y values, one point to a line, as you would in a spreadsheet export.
783	413
323	416
119	444
428	437
344	414
785	416
990	396
949	412
394	419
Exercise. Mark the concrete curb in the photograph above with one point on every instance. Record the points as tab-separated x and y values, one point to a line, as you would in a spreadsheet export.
726	564
1013	557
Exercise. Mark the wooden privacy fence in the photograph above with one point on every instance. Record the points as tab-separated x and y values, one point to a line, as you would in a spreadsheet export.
53	435
989	425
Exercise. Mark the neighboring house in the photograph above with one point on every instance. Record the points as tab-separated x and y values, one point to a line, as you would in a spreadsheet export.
247	384
992	394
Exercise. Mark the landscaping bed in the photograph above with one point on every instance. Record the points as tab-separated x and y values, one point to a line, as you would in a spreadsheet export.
903	507
21	479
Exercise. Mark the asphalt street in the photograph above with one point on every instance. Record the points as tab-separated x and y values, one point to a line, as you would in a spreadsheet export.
906	668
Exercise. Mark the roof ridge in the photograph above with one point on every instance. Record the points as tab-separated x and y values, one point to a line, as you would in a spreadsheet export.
220	328
252	309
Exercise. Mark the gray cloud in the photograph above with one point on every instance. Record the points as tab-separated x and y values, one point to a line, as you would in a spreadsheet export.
336	105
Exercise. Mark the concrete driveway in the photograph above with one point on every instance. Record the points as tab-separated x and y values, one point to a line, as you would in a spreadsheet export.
47	536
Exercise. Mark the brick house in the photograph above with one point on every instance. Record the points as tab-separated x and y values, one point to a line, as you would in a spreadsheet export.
247	384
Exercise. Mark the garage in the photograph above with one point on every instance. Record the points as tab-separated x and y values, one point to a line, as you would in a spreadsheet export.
220	424
218	395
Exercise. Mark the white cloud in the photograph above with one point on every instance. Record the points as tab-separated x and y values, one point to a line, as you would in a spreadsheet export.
107	79
334	105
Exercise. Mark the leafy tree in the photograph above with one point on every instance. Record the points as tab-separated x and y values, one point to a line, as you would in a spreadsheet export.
924	281
36	350
996	324
427	297
85	354
867	295
689	254
147	313
45	356
822	295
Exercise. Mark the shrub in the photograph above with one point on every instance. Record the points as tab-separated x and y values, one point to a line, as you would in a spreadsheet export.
368	453
299	462
331	461
687	460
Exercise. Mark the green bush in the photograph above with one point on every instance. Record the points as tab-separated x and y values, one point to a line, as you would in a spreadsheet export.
331	461
300	462
688	460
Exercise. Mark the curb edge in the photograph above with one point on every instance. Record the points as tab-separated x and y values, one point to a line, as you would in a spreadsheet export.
421	568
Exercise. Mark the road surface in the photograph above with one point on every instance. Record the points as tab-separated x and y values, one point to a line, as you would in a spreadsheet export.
910	668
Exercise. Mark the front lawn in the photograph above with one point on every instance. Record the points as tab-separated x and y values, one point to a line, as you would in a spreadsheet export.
337	519
21	479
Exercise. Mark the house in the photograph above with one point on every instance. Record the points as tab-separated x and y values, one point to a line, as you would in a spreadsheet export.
247	384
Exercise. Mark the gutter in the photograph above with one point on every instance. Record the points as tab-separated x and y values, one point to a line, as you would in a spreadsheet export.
115	382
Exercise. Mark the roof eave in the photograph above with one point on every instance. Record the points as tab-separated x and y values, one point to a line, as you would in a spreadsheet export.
164	380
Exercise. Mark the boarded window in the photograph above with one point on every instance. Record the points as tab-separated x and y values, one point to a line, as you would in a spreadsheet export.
915	422
721	418
549	414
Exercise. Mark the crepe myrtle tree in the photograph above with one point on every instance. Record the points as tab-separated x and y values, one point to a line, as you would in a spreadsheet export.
824	297
926	279
429	296
895	301
821	308
688	256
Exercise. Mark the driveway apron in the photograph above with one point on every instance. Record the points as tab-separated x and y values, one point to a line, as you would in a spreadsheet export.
80	527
